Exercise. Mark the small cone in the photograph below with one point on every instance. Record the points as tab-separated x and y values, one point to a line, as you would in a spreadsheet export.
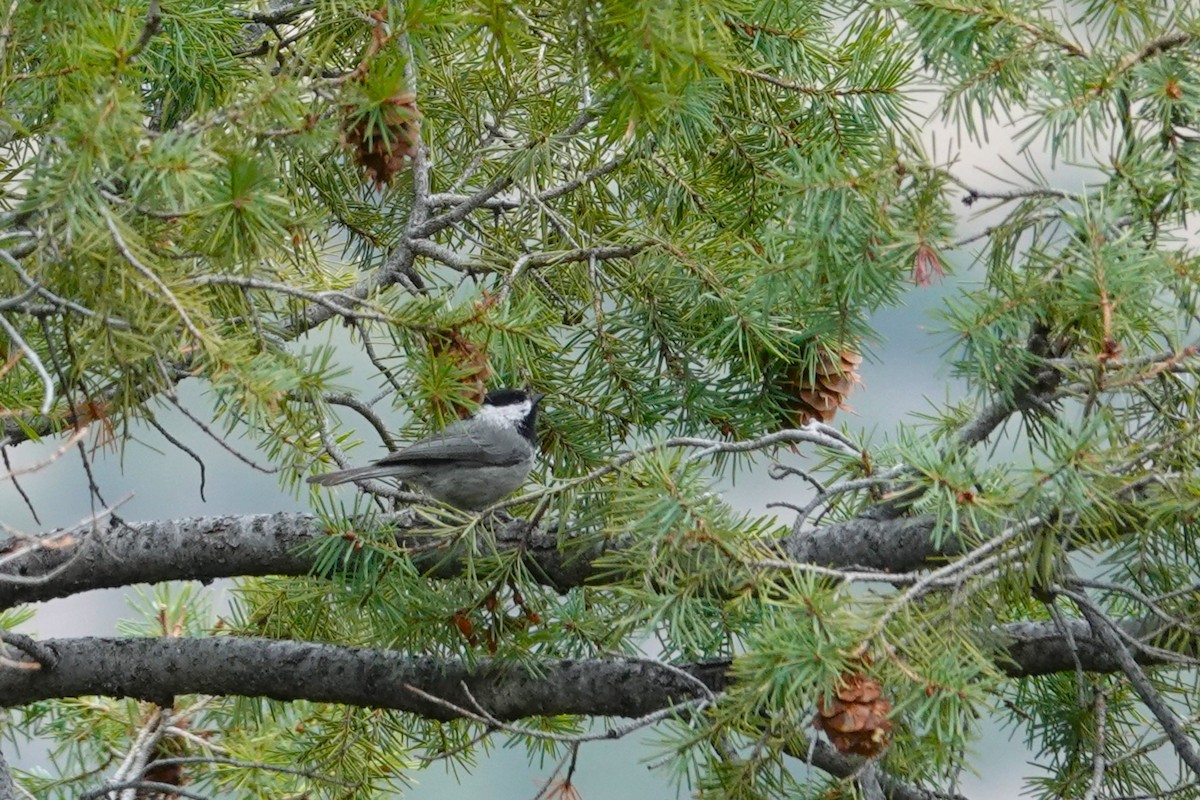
381	149
819	396
470	357
856	718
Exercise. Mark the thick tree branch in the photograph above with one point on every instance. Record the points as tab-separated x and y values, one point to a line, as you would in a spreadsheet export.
159	669
1041	648
122	554
202	548
895	544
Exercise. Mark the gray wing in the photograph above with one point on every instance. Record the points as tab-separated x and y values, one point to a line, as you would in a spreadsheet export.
493	446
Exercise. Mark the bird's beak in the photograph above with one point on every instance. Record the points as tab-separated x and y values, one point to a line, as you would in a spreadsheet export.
536	398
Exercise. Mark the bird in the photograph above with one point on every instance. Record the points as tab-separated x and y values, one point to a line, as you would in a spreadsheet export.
471	463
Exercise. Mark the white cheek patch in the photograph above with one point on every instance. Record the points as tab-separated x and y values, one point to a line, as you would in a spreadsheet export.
504	415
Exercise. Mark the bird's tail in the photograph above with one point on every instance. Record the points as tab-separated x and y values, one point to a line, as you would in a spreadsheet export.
356	474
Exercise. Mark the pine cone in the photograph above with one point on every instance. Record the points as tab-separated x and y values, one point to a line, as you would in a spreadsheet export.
819	396
380	147
856	719
468	356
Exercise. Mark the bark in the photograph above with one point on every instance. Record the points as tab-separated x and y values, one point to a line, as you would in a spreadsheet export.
7	790
1040	648
891	544
120	553
159	669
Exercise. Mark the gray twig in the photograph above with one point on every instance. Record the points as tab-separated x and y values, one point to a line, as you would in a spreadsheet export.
41	654
1105	630
1100	712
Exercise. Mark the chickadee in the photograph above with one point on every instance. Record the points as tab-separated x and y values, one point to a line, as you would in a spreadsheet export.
470	463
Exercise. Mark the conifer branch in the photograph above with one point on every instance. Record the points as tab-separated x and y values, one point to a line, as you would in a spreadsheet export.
162	669
34	359
454	199
775	215
1107	631
42	657
332	301
800	88
149	275
151	26
280	14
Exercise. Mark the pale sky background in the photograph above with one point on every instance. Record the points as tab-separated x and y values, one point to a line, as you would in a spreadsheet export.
904	375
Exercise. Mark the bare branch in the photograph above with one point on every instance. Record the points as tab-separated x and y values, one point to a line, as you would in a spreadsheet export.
1100	712
589	254
220	440
364	410
18	302
1156	46
451	199
58	453
43	657
163	432
801	88
992	545
812	433
160	789
8	790
152	26
372	486
6	34
327	300
284	14
159	670
140	752
444	255
54	299
233	762
429	227
974	195
17	485
601	253
203	548
483	716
